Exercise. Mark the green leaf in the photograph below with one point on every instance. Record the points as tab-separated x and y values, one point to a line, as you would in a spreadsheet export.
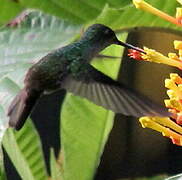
55	168
80	11
37	36
129	16
115	13
119	3
74	11
85	127
25	152
11	147
30	146
13	8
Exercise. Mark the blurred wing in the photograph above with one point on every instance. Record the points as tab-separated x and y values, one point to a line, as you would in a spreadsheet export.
105	92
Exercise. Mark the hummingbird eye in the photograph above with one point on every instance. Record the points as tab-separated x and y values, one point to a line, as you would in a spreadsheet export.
107	31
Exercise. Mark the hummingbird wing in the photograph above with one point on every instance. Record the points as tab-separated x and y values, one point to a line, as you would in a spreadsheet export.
104	91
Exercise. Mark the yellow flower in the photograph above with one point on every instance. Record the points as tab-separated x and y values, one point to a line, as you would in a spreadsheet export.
166	126
141	4
178	12
161	125
179	15
154	56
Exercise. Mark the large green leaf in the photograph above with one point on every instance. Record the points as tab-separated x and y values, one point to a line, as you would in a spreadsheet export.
12	7
129	16
115	13
18	52
15	153
119	3
80	11
85	127
37	36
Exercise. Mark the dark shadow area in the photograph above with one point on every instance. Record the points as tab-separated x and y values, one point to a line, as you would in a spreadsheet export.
48	111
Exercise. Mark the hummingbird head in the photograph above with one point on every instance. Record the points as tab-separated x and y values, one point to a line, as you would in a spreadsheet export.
100	35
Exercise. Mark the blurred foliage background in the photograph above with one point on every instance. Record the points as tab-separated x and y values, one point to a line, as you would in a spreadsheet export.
70	146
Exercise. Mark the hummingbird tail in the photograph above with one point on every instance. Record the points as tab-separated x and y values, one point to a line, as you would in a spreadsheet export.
21	107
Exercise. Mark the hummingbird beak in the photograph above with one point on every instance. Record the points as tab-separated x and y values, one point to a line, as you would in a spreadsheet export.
129	46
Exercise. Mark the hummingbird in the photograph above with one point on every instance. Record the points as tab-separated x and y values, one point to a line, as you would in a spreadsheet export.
69	68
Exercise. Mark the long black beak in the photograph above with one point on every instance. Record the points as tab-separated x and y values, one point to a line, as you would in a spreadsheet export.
129	46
